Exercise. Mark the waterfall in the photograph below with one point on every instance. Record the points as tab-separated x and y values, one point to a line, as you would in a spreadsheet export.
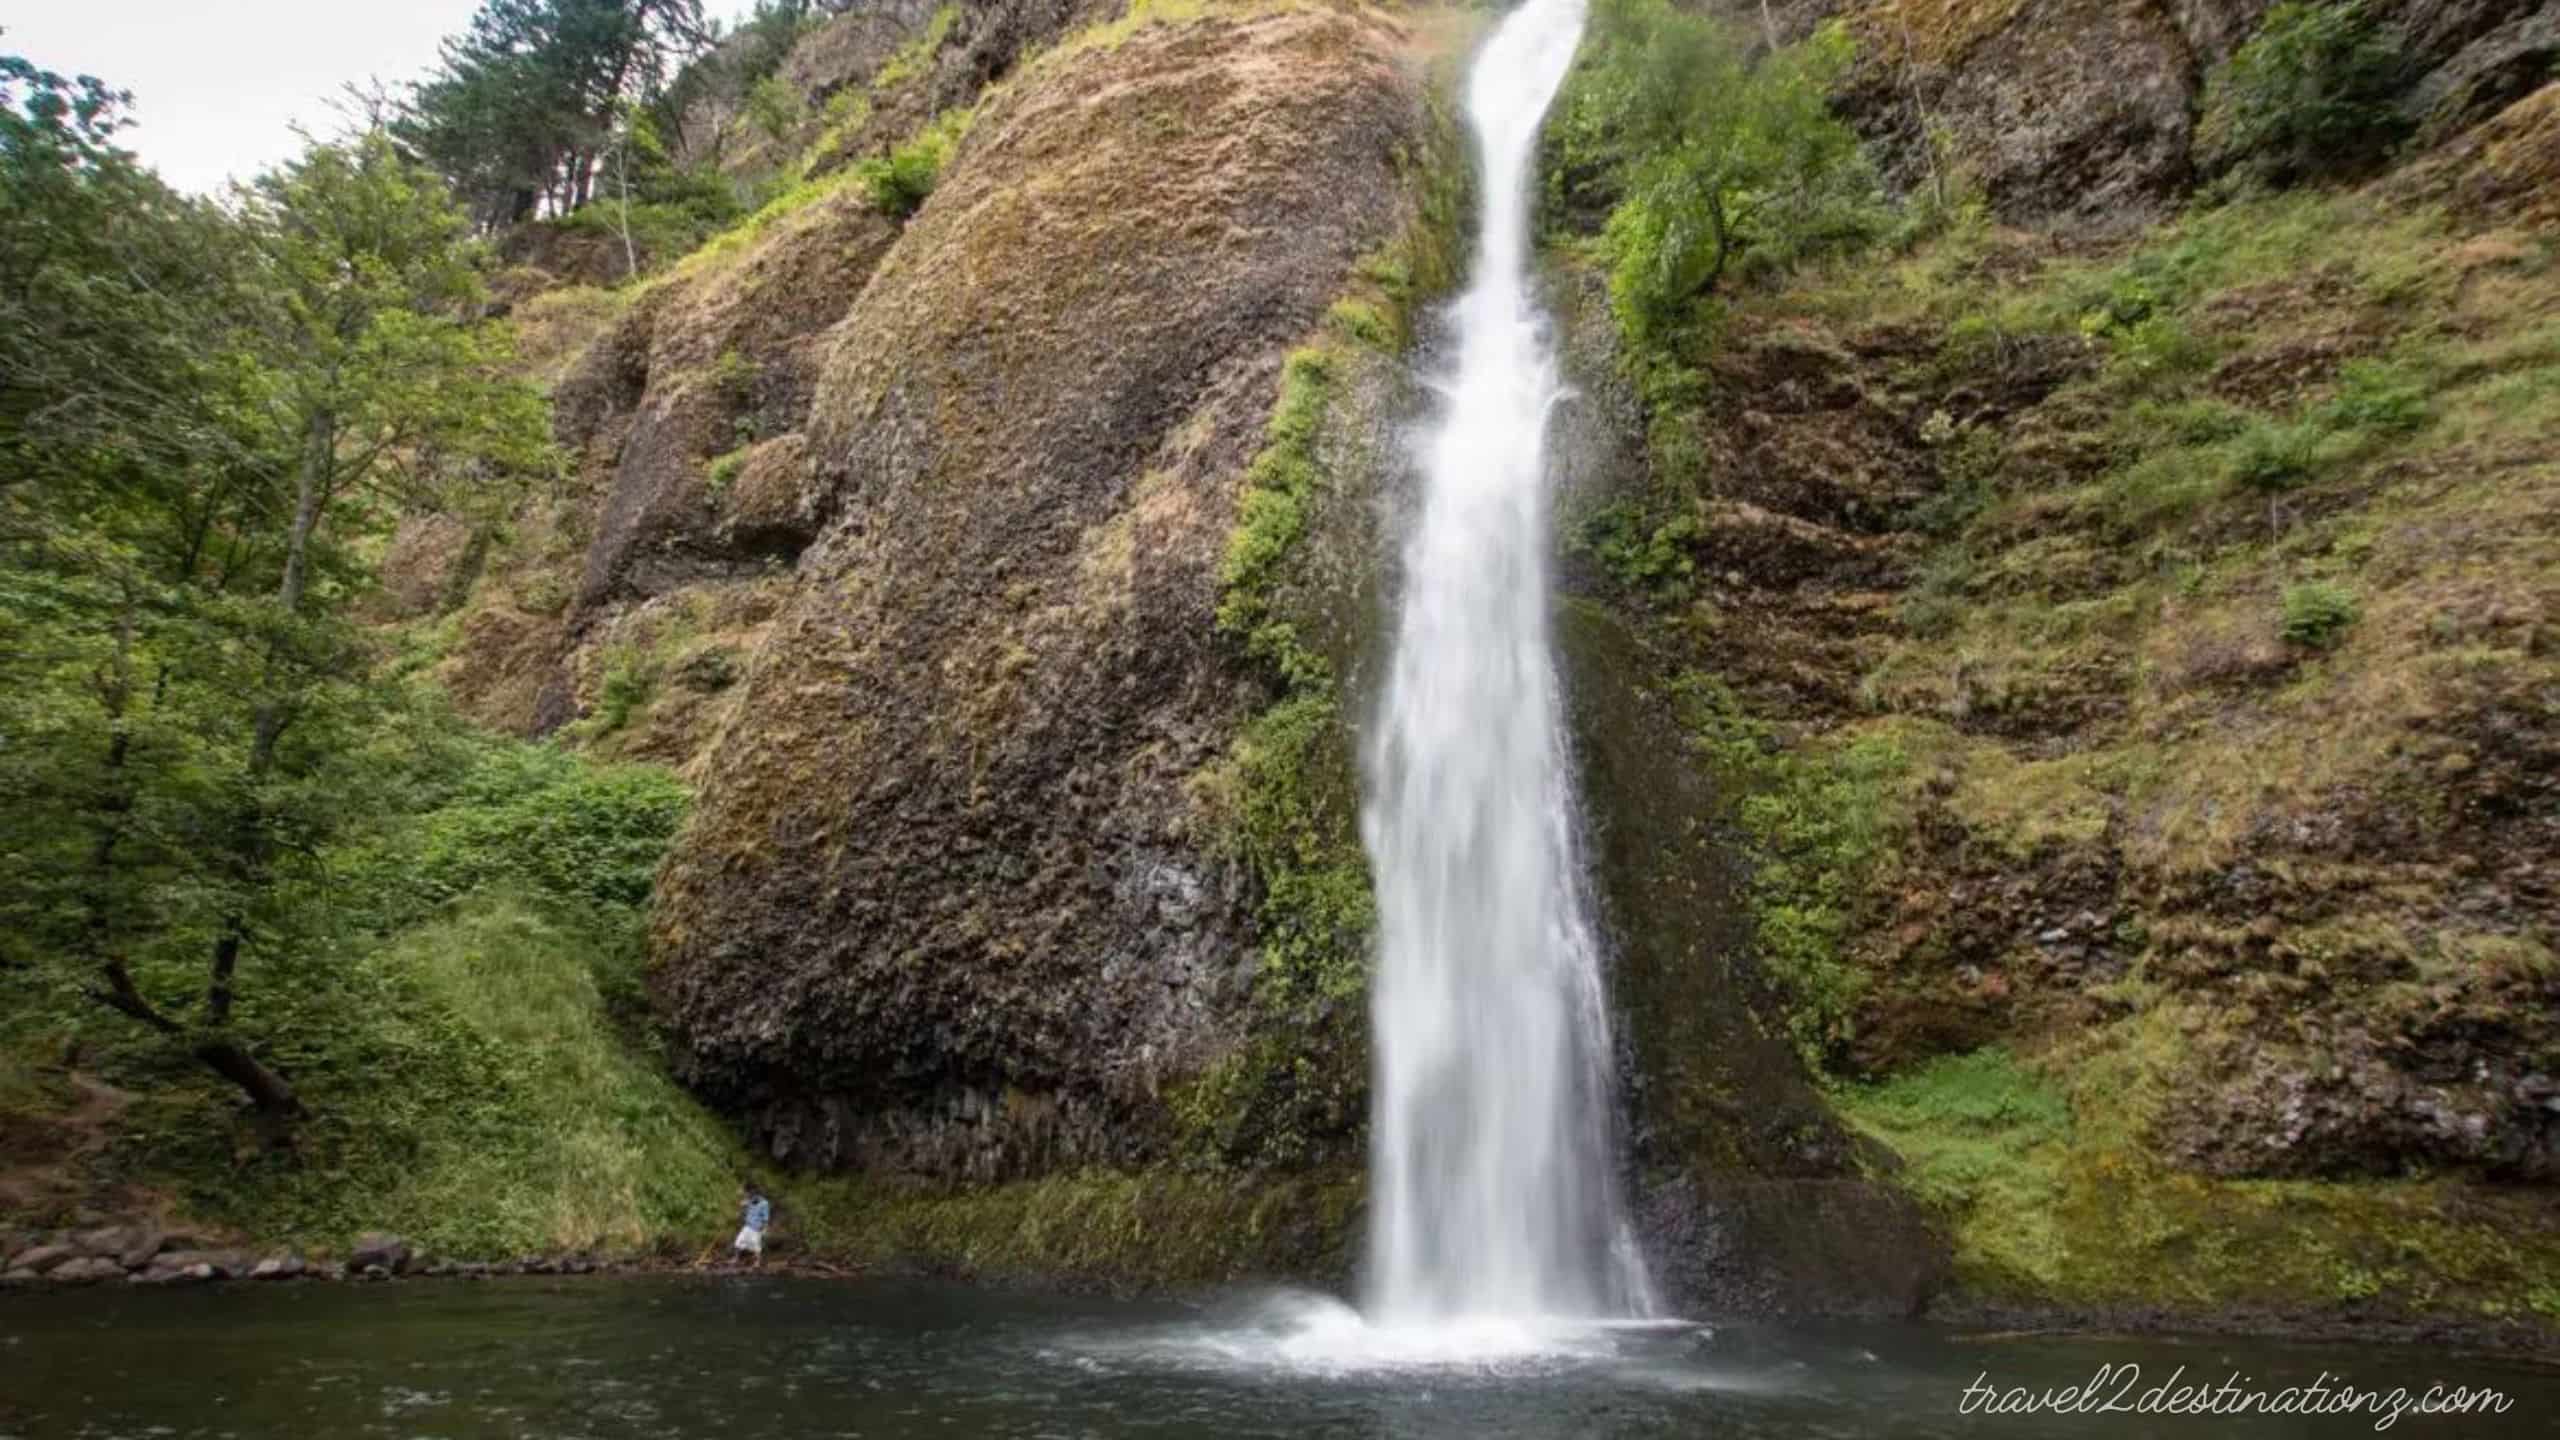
1493	1170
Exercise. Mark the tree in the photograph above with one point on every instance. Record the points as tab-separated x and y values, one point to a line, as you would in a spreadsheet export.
2313	93
210	411
1712	158
524	105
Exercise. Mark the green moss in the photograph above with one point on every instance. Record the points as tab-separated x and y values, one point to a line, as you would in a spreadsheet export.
1361	321
1978	1135
1287	796
723	470
1148	1228
2053	1198
1813	825
1280	487
1294	811
916	54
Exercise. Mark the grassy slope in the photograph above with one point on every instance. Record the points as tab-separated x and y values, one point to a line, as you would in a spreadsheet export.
458	1001
2297	541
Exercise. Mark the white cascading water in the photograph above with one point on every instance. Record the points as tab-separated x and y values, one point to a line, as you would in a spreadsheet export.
1494	1194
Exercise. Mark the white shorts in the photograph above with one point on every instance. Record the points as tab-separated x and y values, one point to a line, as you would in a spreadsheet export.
750	1241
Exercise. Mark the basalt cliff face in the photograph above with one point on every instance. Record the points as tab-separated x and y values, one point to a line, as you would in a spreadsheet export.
907	537
942	553
952	903
2157	723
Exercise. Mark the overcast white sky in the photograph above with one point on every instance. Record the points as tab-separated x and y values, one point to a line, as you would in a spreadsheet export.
218	84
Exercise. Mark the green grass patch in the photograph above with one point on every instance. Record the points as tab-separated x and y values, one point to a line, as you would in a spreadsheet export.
2052	1197
457	995
723	471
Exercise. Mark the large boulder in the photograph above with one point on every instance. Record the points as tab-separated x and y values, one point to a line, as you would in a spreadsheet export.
88	1270
948	902
389	1252
45	1259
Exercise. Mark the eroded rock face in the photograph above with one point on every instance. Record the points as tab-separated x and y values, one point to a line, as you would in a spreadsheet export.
711	364
1749	1194
947	904
2086	110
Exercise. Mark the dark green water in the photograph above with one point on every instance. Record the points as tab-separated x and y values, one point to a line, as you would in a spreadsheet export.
676	1358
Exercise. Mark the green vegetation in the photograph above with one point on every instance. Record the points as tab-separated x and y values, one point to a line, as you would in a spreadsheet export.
914	56
1814	825
1978	1132
1286	796
465	1021
354	966
1710	165
2311	94
899	181
1653	562
2317	613
774	108
2222	541
239	403
1156	1228
2052	1195
531	100
1290	802
724	469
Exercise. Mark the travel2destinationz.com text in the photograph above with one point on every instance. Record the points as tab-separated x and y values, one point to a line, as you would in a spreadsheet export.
2118	1390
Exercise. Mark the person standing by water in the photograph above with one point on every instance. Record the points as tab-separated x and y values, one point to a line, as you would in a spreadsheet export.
750	1241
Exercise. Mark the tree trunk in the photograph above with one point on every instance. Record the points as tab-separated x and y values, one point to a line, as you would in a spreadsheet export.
1723	237
225	1055
115	800
269	1091
622	167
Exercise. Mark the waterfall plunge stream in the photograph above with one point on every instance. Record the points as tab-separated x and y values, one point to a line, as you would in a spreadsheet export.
1494	1194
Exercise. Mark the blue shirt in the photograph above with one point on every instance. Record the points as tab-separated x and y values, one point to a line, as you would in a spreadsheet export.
759	1211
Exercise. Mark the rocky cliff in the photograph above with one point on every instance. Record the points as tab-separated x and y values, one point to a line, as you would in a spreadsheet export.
2124	650
1004	576
951	903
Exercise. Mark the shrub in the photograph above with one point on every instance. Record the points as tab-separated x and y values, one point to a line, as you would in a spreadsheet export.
1652	561
899	181
773	107
2317	614
2271	456
723	471
1715	162
2155	350
2378	395
2311	94
558	828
